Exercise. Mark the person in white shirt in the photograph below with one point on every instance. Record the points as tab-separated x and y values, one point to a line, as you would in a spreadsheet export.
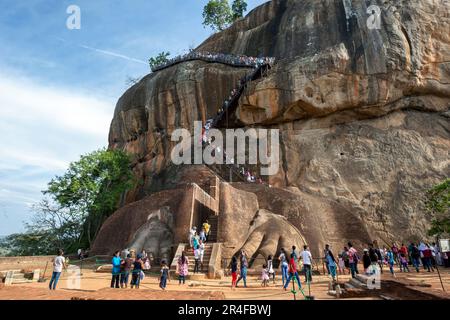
306	256
201	252
58	264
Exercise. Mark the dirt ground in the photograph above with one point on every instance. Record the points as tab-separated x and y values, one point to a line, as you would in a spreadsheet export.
96	286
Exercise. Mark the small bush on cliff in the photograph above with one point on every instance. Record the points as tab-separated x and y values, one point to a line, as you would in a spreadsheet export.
218	14
438	204
75	205
161	58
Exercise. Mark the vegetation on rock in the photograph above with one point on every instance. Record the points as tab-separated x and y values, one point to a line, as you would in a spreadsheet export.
438	204
218	14
161	58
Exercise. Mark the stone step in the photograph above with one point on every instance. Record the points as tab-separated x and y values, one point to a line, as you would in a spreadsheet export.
358	284
362	277
349	286
20	281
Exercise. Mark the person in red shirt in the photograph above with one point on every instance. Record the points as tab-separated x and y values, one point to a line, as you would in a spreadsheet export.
292	272
403	250
427	256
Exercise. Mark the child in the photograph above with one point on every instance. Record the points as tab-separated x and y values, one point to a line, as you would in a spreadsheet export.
265	276
404	262
234	266
270	268
164	275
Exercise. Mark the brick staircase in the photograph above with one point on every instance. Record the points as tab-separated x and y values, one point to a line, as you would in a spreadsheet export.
206	259
214	222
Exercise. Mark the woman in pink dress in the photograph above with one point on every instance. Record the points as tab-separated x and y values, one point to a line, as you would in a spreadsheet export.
183	268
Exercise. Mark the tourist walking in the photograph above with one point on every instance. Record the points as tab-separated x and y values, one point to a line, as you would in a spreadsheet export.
196	260
270	268
404	263
59	262
234	267
284	265
306	256
201	252
353	259
346	258
373	259
330	261
435	259
379	253
366	261
207	228
165	275
422	247
183	268
427	258
391	261
265	276
202	235
292	272
138	266
294	252
244	266
126	268
191	236
195	241
415	257
116	263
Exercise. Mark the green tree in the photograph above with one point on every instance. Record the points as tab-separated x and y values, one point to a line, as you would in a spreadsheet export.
161	58
217	15
92	187
438	205
75	205
238	9
51	227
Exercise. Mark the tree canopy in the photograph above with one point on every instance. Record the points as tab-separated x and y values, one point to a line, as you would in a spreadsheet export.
75	205
161	58
438	205
218	14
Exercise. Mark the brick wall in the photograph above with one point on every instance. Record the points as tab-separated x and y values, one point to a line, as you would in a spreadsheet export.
18	263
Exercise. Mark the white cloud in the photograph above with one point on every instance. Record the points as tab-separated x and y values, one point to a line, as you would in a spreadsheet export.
27	102
43	129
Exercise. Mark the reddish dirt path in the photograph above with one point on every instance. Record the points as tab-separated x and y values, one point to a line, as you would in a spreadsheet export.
95	286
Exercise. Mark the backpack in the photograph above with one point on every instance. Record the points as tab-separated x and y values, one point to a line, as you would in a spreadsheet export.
415	252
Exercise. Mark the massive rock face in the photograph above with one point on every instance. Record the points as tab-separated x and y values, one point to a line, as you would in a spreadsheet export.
363	114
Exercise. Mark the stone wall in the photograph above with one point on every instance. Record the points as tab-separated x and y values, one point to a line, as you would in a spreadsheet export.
28	263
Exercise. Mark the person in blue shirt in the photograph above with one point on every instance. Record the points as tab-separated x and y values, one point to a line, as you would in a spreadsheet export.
330	262
116	262
390	261
294	252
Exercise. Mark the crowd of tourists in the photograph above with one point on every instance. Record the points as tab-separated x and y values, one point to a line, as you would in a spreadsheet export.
235	60
128	267
375	258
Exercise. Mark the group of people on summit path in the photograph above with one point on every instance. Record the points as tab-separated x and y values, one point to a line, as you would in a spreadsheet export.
243	172
235	60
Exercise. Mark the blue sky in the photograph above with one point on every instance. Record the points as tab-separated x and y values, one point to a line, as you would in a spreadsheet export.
59	87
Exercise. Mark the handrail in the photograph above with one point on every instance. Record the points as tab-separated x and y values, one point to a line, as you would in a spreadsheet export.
229	59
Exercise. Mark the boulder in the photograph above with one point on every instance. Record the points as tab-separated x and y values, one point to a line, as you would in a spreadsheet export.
363	115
